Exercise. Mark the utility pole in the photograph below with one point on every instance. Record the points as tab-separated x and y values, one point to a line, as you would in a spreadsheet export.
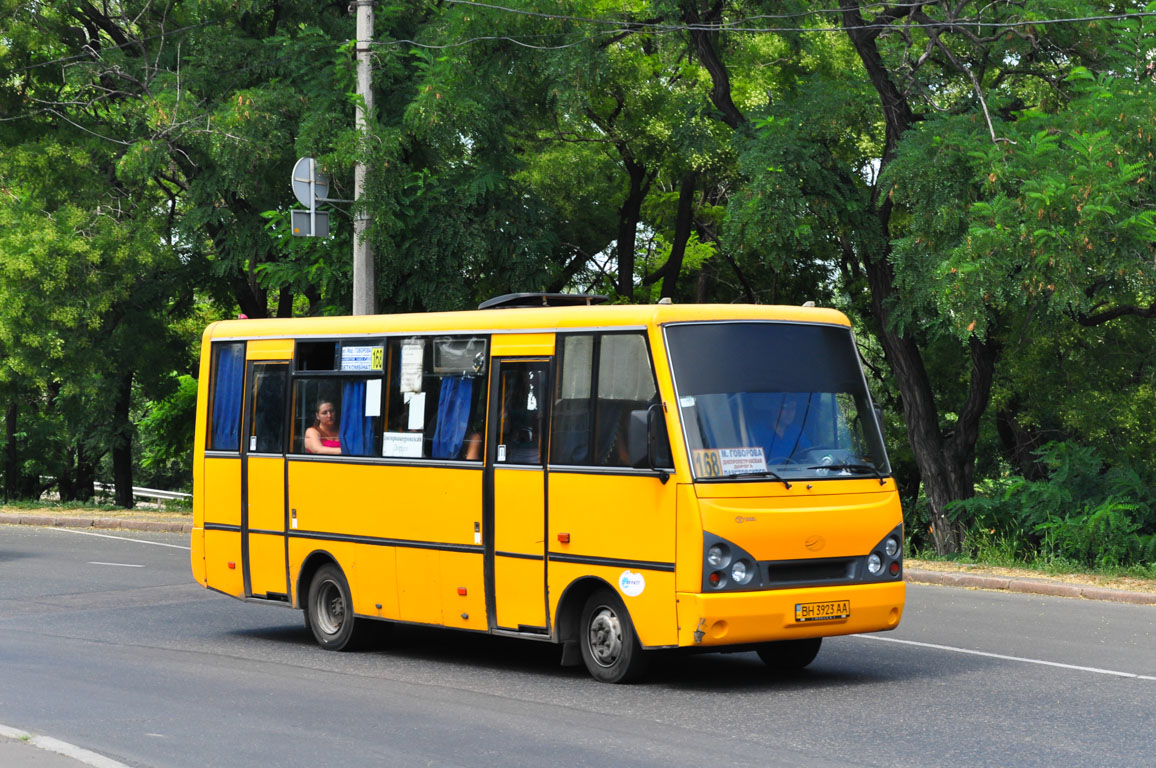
364	302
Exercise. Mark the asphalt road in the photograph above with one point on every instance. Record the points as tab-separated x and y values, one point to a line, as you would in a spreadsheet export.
105	643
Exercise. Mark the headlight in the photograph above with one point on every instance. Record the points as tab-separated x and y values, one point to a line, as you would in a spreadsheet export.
740	572
891	547
717	556
874	563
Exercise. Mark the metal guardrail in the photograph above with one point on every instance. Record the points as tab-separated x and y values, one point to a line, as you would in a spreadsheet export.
148	493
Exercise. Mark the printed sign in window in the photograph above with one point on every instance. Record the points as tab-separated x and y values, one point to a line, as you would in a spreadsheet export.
362	358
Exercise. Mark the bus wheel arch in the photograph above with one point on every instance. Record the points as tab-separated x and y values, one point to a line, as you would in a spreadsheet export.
312	562
593	617
569	615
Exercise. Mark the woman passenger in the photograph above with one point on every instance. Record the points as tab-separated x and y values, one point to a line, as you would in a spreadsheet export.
323	436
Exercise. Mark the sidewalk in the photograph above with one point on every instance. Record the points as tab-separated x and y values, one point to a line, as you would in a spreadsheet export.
1036	585
23	750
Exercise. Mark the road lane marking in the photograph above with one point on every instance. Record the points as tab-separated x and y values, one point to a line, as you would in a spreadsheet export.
120	565
49	744
118	538
1007	658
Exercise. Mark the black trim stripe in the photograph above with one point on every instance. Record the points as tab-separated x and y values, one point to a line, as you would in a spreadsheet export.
222	527
384	461
519	555
643	565
266	533
383	542
575	469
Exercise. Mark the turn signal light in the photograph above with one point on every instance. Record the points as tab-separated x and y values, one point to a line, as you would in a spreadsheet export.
232	566
894	569
462	591
564	538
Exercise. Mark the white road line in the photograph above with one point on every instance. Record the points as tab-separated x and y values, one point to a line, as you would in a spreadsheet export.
72	751
1007	658
118	538
120	565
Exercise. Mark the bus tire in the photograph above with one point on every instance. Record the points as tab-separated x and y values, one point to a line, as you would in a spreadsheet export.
329	610
790	655
610	647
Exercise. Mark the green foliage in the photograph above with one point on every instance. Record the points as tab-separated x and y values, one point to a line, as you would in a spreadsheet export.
166	445
1084	511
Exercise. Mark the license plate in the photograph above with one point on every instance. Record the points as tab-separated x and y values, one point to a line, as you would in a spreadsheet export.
834	609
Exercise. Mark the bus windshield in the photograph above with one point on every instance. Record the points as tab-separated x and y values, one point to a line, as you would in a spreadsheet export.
774	400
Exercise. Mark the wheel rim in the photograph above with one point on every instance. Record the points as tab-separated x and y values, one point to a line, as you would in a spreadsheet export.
330	608
605	635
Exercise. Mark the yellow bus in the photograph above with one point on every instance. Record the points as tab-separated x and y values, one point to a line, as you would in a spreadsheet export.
617	480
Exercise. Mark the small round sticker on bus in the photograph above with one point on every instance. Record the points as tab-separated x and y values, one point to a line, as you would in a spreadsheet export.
631	584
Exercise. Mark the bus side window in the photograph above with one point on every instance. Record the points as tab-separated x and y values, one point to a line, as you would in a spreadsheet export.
228	378
435	392
573	413
625	384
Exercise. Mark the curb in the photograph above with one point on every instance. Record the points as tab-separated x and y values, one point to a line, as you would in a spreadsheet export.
1029	586
107	523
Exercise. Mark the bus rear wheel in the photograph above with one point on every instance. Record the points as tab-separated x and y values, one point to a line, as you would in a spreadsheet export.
610	647
790	655
329	610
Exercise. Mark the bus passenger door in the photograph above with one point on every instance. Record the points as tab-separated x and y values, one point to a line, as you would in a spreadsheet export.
515	517
263	543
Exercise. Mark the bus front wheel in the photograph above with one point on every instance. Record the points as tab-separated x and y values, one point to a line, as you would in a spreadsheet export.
790	655
329	611
610	647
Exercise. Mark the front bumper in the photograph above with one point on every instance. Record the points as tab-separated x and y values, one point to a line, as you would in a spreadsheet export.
716	620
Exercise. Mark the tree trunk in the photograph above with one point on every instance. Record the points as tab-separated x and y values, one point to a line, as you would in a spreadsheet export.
682	227
628	217
122	444
11	460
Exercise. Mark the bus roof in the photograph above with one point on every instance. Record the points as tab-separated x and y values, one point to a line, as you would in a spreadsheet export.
519	320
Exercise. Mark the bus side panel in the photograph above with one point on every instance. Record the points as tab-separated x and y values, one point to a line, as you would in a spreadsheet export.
624	517
222	507
222	494
688	568
402	514
419	588
463	571
652	610
223	562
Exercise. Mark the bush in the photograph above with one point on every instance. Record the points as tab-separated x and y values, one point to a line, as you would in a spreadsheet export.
1084	512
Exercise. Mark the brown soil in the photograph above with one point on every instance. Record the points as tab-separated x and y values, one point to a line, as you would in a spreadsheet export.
1085	579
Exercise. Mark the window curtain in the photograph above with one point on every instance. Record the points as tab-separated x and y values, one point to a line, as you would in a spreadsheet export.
453	416
227	397
356	429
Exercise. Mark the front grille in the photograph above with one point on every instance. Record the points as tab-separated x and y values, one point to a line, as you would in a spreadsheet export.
810	572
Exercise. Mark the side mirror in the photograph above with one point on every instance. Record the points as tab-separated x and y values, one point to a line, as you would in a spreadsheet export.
648	441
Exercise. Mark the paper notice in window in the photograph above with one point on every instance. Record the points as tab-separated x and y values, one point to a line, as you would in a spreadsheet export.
373	397
740	461
411	359
403	444
416	402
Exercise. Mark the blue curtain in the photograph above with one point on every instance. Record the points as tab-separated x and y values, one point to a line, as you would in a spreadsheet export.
453	416
356	429
227	397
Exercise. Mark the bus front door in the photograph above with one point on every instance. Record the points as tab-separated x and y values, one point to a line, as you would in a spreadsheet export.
263	544
516	488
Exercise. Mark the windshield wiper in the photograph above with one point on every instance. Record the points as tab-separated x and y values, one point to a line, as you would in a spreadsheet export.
758	473
870	468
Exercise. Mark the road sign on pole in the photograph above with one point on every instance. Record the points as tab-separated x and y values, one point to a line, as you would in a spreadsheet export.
310	187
